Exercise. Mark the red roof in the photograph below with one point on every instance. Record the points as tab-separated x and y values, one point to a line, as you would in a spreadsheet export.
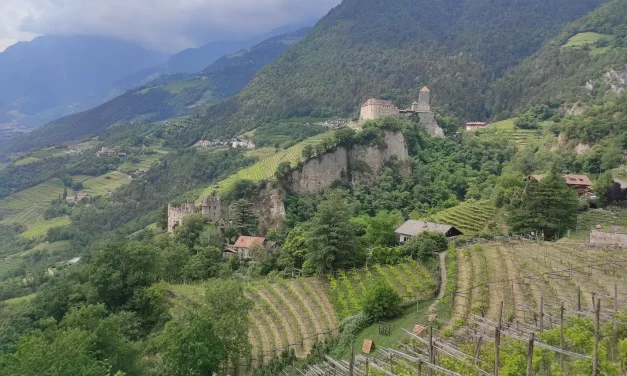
476	124
425	89
570	179
248	241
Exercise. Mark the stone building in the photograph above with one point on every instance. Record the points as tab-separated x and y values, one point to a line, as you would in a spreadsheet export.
412	228
475	125
374	109
212	208
580	183
177	213
609	238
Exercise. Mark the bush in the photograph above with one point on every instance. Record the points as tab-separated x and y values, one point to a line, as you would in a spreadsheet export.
424	246
382	302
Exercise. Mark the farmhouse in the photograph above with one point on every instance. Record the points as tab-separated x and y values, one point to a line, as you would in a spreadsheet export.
580	183
107	152
244	244
475	125
237	143
412	228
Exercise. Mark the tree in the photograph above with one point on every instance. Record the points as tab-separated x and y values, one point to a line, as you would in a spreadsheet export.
120	268
380	228
294	250
190	345
151	305
548	206
331	239
244	220
162	217
203	265
382	302
227	309
308	152
603	188
283	173
189	232
424	246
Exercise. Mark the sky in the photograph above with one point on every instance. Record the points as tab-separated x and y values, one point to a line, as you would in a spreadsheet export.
162	25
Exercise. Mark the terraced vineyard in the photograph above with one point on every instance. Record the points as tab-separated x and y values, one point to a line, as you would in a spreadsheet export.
526	274
411	280
469	217
522	137
291	314
593	217
26	207
265	168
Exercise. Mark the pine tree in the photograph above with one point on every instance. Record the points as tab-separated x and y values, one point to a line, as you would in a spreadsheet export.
244	220
548	206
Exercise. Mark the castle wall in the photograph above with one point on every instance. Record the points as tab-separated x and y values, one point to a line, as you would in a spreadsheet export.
212	208
319	173
602	237
378	111
177	213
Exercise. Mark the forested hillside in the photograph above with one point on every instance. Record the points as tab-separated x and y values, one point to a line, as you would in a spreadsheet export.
166	96
391	49
571	67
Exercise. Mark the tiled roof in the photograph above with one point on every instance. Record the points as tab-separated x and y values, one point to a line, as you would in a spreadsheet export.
425	89
248	241
375	101
570	179
413	228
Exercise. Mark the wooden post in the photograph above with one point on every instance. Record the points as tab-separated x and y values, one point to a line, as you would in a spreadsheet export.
367	368
579	300
595	349
614	348
391	363
351	364
562	336
419	367
541	314
497	343
431	350
478	352
530	354
501	315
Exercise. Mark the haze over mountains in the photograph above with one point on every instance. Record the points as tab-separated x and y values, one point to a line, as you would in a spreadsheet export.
84	71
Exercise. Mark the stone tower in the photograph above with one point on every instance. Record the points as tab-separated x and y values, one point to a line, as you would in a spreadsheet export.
424	100
212	208
177	213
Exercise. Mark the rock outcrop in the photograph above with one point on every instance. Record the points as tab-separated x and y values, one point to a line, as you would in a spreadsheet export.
320	172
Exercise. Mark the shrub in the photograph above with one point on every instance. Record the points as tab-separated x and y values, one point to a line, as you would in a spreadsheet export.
382	302
425	246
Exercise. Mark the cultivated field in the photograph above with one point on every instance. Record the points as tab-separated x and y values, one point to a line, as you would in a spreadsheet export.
469	217
525	275
587	39
265	168
287	314
26	207
522	137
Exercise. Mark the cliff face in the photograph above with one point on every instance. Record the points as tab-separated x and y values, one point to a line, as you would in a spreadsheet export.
319	173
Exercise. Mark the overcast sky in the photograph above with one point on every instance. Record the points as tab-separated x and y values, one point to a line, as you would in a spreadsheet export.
164	25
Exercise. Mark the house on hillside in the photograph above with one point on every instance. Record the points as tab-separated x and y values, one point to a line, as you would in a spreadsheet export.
107	152
237	143
244	244
580	183
412	228
475	125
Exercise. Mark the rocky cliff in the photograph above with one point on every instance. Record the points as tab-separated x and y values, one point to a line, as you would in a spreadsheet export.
361	160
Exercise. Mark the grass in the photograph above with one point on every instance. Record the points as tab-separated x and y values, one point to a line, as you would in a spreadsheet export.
522	137
504	125
265	168
261	153
146	162
26	206
40	226
19	301
101	185
25	161
587	39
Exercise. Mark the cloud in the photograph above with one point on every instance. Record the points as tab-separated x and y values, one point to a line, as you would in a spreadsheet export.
165	25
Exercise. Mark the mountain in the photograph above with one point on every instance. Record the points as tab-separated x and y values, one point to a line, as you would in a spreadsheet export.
585	63
166	96
55	73
391	49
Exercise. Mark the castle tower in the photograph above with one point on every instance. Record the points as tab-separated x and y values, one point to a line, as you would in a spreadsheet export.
424	100
177	213
212	208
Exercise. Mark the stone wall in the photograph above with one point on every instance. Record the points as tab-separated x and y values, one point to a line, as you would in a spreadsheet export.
602	237
318	173
177	213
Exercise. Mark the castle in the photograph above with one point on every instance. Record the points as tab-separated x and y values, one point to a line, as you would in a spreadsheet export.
374	109
211	210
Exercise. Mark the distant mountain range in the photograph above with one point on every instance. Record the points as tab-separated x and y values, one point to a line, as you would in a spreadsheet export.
166	96
53	76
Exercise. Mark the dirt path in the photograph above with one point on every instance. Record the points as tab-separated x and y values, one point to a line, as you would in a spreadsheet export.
442	279
461	305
